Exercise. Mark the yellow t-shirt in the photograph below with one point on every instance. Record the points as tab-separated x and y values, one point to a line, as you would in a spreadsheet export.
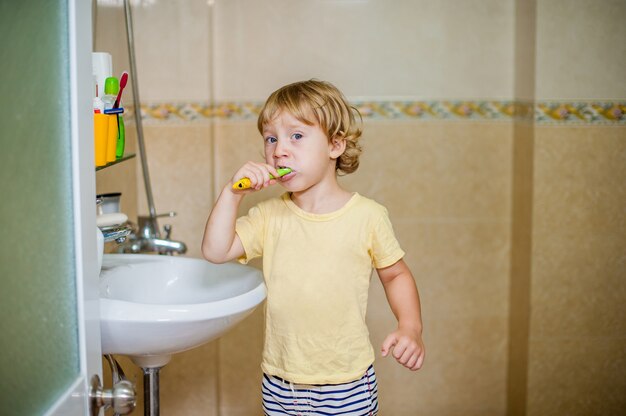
317	269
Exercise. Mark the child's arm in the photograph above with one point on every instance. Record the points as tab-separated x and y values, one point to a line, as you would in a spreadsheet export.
401	291
220	242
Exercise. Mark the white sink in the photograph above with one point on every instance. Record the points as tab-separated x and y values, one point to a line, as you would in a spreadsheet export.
154	306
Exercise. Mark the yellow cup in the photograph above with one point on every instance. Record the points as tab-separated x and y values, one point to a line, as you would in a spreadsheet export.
101	132
112	138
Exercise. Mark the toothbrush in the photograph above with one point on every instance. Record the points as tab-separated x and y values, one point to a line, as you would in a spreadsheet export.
244	183
123	81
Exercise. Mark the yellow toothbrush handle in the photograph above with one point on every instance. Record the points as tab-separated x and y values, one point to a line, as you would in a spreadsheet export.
242	184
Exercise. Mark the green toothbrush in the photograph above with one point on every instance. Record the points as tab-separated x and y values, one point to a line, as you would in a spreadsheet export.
244	183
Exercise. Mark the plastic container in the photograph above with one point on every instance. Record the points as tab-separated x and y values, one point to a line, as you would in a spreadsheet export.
121	137
111	88
110	203
115	147
111	137
102	67
101	133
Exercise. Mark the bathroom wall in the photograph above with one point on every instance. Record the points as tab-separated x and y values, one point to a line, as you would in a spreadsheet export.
438	84
567	280
521	213
577	349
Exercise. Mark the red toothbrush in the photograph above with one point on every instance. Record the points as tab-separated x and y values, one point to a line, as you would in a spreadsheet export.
123	82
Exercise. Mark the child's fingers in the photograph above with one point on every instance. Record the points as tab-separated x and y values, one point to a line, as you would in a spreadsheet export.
263	175
407	350
401	351
420	360
273	171
257	177
405	353
412	361
257	173
417	363
388	344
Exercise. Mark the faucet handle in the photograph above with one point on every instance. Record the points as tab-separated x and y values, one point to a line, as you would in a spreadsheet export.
167	229
167	214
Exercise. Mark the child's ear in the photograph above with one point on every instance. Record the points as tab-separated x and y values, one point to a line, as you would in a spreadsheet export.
337	146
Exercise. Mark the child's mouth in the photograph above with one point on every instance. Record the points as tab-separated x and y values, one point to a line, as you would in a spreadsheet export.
287	176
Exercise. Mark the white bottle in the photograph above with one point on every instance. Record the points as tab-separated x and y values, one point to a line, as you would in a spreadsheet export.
98	105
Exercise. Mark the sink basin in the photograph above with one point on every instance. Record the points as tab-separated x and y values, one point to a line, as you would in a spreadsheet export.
154	306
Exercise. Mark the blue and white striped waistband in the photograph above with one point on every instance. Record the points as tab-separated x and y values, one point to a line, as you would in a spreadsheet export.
355	398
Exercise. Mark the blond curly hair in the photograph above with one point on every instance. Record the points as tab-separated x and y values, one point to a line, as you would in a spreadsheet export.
331	110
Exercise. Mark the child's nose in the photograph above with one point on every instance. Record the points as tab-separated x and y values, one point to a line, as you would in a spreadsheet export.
280	149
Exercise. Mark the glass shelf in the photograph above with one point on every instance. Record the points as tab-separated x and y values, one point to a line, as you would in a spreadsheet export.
126	157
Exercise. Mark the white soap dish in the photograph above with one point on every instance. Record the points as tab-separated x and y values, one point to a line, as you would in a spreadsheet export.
109	220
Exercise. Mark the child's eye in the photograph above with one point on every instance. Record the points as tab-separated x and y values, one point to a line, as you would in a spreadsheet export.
296	136
270	139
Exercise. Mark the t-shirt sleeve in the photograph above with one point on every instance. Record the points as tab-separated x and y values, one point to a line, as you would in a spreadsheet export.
250	229
385	248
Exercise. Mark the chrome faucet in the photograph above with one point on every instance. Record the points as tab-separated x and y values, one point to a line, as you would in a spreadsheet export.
146	238
116	233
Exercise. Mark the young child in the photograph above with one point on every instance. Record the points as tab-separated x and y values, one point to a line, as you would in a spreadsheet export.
319	243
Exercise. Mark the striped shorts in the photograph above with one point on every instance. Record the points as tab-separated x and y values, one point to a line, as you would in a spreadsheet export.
356	398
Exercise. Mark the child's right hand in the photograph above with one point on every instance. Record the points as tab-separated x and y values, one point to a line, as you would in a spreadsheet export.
259	175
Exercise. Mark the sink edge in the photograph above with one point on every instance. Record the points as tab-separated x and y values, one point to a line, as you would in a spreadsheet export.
120	310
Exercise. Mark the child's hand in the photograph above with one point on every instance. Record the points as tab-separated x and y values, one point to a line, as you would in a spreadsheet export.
259	175
408	348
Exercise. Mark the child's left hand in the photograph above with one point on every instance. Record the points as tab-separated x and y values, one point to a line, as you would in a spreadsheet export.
408	348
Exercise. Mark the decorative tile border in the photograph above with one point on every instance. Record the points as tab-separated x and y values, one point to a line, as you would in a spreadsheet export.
543	112
437	110
593	112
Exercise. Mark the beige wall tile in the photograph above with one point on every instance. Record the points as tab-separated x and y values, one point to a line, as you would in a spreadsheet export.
173	45
579	232
189	383
461	270
449	170
461	267
578	292
577	376
181	166
240	367
578	55
521	262
416	48
463	374
580	178
525	49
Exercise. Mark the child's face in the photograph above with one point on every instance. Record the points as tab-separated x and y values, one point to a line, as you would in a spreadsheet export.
304	148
